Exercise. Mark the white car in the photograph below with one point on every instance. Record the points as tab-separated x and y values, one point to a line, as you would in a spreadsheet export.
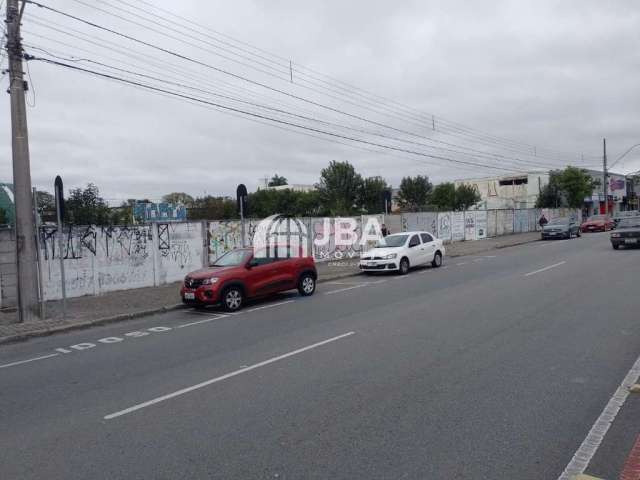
401	251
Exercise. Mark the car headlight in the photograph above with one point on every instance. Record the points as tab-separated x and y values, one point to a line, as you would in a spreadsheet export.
210	281
390	256
615	235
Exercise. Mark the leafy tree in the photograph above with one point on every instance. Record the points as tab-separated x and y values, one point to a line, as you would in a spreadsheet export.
3	217
339	187
86	207
371	194
466	196
277	181
263	203
576	184
443	196
550	195
566	188
212	208
178	198
414	192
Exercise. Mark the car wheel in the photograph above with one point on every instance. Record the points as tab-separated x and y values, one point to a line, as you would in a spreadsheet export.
404	266
437	260
232	299
306	285
615	247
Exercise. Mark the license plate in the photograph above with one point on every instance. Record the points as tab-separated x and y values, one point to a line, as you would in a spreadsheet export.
189	296
371	264
630	240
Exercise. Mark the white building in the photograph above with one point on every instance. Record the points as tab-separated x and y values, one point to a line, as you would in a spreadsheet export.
509	191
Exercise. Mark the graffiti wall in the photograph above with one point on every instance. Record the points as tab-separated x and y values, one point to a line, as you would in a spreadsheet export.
103	259
457	226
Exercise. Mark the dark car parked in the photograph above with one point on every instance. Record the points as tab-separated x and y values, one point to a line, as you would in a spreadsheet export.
239	274
627	233
563	227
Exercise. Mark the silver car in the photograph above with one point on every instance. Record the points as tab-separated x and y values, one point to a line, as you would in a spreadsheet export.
562	227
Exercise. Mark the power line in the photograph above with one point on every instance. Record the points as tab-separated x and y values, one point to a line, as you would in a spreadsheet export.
263	117
453	125
184	57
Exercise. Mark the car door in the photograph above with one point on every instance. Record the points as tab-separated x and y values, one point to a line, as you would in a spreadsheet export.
262	277
413	250
428	247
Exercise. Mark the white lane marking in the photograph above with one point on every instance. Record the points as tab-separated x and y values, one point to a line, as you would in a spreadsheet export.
400	277
544	269
376	282
206	383
331	292
460	264
490	256
206	320
478	260
13	364
193	312
341	283
591	443
270	306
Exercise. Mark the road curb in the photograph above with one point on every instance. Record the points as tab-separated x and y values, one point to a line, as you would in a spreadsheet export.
46	331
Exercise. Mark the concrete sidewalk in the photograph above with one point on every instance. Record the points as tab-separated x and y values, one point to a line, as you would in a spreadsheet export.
86	311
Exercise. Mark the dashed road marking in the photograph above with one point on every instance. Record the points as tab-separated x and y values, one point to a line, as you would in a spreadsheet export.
206	320
269	306
544	269
476	260
13	364
206	383
331	292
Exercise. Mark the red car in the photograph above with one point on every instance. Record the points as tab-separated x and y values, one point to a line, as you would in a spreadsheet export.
239	274
598	223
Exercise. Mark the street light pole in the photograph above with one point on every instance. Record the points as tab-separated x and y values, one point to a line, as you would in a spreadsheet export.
25	231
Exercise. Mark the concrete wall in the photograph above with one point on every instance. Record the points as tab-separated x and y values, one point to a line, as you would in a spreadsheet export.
103	259
8	292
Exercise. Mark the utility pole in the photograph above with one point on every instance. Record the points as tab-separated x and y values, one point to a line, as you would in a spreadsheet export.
25	231
605	183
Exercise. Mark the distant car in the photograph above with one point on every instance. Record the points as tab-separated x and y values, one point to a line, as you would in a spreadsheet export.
401	251
627	233
563	227
598	223
239	274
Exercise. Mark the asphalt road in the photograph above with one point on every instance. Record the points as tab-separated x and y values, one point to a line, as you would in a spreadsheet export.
492	367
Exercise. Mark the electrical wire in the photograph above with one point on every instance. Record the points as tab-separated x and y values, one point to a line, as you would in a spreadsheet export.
224	71
260	116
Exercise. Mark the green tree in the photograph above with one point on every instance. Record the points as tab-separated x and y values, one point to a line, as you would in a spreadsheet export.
277	181
550	195
371	194
339	187
264	203
3	216
46	206
212	208
414	192
86	207
566	188
466	196
178	198
576	184
443	196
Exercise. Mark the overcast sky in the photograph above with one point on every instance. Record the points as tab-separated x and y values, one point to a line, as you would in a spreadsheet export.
557	75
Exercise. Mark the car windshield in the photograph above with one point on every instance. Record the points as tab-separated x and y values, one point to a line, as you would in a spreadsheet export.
559	221
233	258
630	223
393	241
